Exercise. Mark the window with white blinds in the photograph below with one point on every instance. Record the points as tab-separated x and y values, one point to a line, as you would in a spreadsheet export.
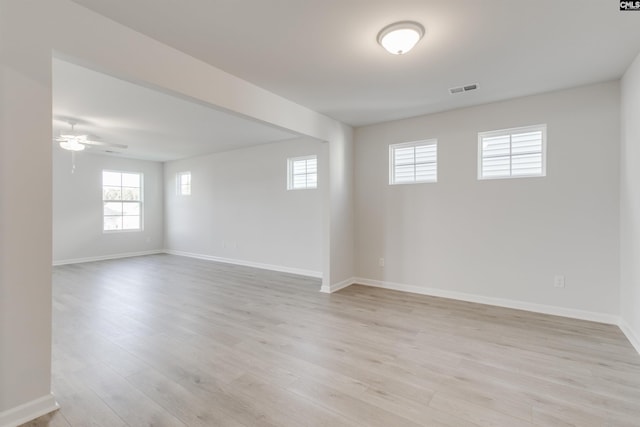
302	173
512	153
413	162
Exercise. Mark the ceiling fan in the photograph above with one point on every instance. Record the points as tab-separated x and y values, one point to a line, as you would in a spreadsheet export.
75	142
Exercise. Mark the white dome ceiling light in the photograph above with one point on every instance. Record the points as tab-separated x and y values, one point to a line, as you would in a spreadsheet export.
400	37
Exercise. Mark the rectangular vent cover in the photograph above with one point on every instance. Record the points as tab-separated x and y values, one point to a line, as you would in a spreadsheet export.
462	89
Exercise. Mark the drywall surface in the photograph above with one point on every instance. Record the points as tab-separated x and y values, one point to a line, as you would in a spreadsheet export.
77	208
507	238
630	202
240	209
26	209
340	210
25	238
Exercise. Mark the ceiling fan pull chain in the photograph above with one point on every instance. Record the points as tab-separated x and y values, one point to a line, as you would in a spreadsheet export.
73	162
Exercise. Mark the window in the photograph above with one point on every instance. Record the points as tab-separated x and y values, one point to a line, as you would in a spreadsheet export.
413	162
512	153
184	183
302	173
122	200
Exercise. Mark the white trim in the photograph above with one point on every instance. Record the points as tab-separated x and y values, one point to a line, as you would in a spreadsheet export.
500	302
106	257
631	335
28	411
292	270
337	286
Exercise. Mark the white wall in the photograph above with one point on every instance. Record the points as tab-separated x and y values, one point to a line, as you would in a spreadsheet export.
25	117
630	203
241	211
500	240
77	208
25	240
339	212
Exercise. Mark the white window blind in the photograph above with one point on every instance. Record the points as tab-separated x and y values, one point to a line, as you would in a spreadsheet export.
413	162
512	153
302	172
122	201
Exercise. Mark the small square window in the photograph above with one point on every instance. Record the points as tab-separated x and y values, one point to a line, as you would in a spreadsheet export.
302	173
184	183
512	153
413	162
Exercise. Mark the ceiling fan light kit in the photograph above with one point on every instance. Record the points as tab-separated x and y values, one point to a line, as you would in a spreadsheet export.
71	141
400	37
71	144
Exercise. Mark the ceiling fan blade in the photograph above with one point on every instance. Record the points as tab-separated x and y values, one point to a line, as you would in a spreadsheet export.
103	144
72	136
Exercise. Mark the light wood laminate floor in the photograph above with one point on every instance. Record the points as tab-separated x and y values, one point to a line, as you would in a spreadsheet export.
170	341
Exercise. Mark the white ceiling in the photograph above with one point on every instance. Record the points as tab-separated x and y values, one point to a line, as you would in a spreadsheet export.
154	125
323	53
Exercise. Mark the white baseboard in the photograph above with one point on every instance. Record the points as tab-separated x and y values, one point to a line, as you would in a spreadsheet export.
283	269
632	336
106	257
337	286
500	302
28	411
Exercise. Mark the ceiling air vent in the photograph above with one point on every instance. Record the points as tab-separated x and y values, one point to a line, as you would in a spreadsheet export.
461	89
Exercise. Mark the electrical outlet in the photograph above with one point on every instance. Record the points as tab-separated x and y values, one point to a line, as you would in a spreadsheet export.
558	282
381	262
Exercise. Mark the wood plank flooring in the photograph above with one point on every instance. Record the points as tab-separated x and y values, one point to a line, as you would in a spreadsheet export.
170	341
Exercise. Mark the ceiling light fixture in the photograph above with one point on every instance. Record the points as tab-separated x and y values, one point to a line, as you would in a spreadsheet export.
71	143
400	37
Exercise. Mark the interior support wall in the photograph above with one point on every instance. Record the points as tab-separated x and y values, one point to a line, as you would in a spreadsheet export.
630	203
